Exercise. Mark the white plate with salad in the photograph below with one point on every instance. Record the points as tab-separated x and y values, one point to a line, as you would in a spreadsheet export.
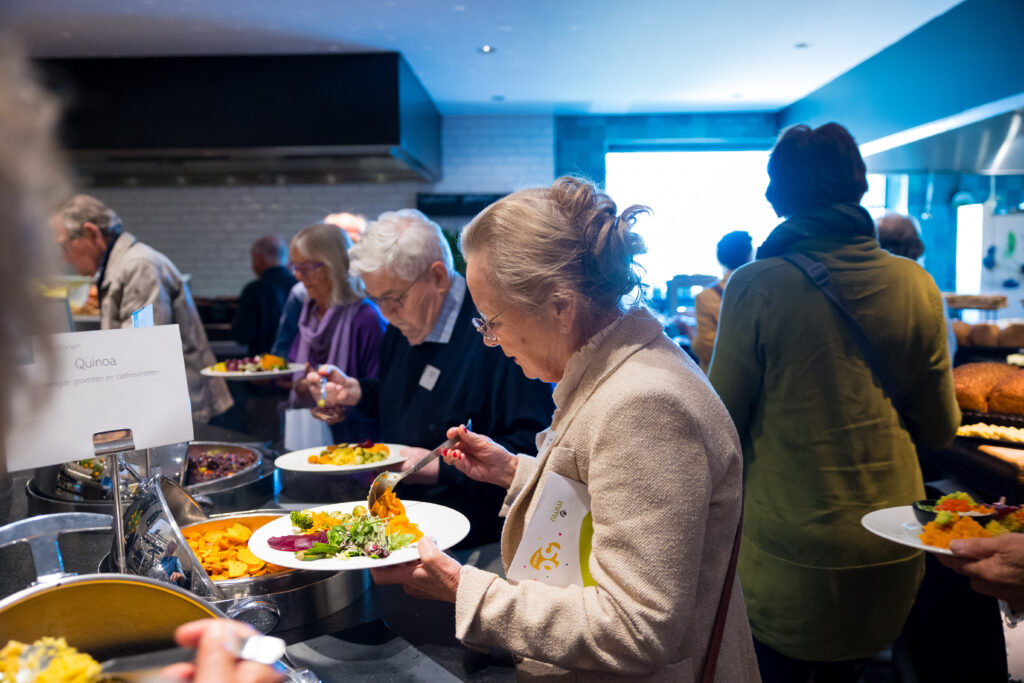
357	457
443	525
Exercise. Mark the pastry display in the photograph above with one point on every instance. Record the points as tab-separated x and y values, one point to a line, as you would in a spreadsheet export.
975	381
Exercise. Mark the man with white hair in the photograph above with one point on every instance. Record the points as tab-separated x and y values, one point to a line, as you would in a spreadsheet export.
434	372
131	275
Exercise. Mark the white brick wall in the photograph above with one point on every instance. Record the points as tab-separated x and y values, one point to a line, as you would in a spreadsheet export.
207	231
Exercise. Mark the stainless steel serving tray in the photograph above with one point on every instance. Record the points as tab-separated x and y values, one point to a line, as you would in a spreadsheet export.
242	491
272	602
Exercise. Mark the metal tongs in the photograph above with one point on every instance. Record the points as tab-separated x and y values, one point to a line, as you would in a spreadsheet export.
389	480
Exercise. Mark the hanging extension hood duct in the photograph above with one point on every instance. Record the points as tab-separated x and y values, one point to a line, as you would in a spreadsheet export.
993	146
246	119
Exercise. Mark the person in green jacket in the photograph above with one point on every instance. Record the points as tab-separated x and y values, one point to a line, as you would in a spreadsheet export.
823	443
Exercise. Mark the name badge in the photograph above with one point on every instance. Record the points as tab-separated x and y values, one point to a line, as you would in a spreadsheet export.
429	377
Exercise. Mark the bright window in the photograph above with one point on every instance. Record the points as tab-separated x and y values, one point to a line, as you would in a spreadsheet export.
969	248
696	198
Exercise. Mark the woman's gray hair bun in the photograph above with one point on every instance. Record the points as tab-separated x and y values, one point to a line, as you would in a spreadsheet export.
564	237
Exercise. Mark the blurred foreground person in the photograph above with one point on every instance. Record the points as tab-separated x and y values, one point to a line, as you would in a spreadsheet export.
131	275
637	426
32	181
434	372
733	250
826	436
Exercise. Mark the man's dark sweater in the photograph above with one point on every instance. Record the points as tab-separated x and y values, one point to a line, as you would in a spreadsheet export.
259	309
475	382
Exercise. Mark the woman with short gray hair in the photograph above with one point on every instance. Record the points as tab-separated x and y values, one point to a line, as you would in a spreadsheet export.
636	427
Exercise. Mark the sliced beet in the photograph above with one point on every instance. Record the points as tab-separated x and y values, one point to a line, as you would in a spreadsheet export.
294	544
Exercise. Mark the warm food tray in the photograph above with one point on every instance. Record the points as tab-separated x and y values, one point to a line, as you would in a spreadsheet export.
974	416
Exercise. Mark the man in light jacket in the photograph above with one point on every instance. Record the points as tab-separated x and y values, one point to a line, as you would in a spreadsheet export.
131	275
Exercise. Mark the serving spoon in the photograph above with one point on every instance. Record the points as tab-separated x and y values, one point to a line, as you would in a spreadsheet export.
389	480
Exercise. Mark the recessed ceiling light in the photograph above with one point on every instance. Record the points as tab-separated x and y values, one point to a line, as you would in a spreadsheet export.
487	49
801	46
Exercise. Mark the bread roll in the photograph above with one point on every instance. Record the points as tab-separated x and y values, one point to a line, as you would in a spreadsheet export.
962	331
974	382
984	334
1012	336
1007	396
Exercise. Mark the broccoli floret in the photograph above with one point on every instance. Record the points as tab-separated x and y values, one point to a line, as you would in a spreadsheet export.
302	520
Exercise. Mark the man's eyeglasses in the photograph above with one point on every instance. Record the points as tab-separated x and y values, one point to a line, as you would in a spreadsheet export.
486	327
395	302
306	267
72	236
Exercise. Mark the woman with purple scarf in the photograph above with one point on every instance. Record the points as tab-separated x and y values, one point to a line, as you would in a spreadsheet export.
337	326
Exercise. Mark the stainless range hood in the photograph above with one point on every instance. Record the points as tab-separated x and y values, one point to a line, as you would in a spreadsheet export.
246	119
993	146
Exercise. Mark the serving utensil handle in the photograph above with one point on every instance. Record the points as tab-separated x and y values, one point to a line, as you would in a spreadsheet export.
430	457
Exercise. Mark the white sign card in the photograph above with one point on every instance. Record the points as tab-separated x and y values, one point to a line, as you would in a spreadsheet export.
555	549
100	381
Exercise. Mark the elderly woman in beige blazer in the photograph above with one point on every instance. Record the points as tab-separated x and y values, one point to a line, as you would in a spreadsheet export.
635	422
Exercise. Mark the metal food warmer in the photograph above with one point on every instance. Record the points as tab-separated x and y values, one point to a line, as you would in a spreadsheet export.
221	476
155	547
140	614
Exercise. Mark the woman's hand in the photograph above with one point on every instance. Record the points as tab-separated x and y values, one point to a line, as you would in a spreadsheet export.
341	389
217	642
995	565
430	472
435	576
480	458
306	387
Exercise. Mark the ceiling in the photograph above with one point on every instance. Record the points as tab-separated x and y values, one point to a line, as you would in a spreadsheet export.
562	56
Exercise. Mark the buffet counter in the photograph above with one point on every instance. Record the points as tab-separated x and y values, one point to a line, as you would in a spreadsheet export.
384	635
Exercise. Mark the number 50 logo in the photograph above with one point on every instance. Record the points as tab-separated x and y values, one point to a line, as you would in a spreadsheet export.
545	559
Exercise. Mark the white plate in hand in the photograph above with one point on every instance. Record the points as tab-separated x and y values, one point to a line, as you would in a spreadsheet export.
899	525
247	376
443	525
298	461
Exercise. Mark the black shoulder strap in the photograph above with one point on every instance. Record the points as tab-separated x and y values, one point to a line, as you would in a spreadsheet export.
818	274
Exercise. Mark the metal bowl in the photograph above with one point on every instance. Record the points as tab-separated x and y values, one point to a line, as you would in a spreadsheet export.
105	615
197	449
49	491
287	599
90	479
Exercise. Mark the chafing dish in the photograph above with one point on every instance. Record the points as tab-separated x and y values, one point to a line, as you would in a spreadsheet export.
84	486
105	615
156	547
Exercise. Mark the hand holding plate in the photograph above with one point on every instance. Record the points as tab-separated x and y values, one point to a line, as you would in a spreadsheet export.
434	577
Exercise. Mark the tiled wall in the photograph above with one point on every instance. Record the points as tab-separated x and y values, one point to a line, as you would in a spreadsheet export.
207	231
